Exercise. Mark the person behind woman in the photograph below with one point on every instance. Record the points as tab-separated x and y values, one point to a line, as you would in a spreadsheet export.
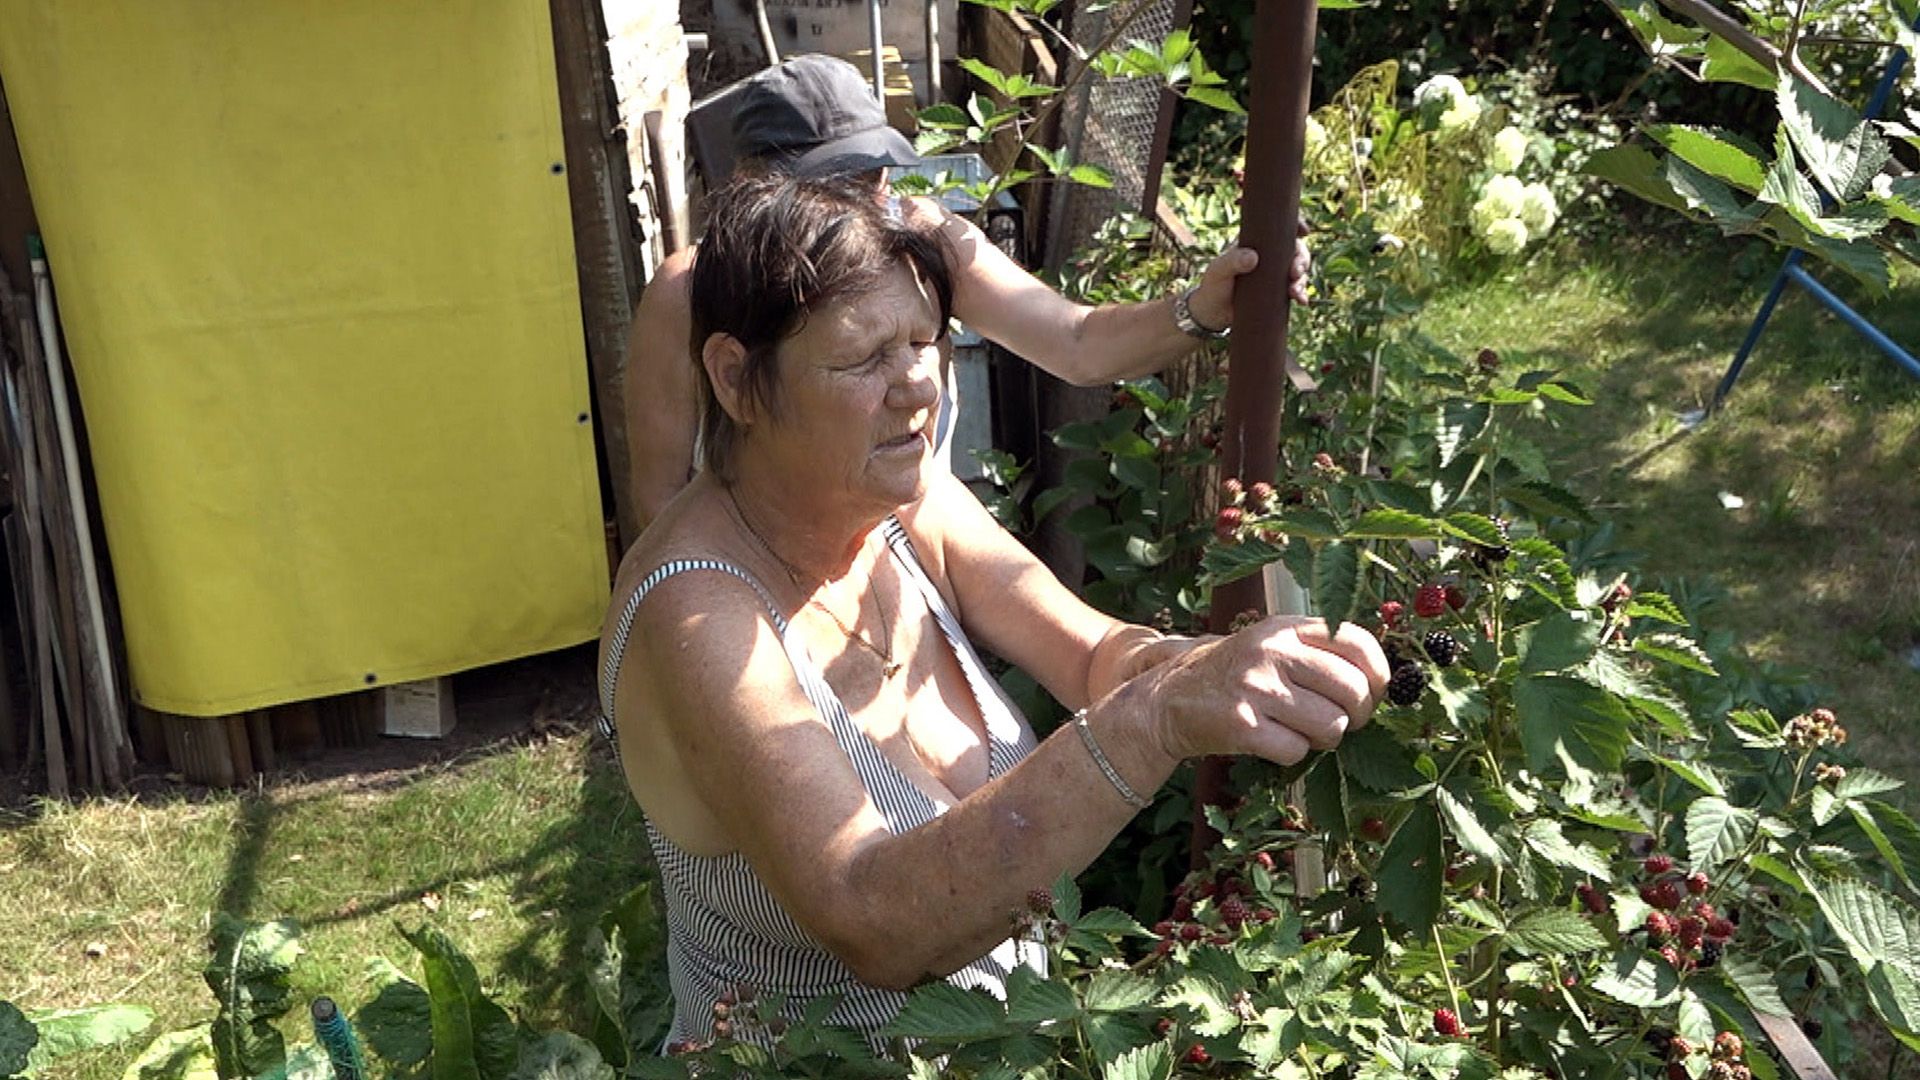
840	800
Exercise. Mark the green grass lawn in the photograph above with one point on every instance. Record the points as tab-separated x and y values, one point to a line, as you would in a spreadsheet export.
517	850
1820	441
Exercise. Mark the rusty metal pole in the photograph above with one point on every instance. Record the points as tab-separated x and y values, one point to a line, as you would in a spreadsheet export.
1278	94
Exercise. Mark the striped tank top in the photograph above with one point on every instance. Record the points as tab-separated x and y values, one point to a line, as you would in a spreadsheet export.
725	930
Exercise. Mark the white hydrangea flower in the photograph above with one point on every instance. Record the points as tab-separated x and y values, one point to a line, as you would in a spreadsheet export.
1509	150
1506	236
1502	195
1464	114
1441	88
1316	137
1538	209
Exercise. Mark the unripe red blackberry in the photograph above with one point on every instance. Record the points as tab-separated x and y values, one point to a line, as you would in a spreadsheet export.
1727	1044
1488	360
1406	684
1658	864
1163	927
1373	829
1324	462
1430	601
1262	495
1233	912
1719	929
1690	932
1592	898
1671	955
1182	909
1197	1055
1265	859
723	1029
1679	1047
1232	491
1191	932
1698	883
722	1010
1441	647
1040	901
1456	597
1665	895
1228	523
1390	612
1677	1070
1163	1025
1659	925
1448	1024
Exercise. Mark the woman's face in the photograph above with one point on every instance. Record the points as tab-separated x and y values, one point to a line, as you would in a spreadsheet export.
860	394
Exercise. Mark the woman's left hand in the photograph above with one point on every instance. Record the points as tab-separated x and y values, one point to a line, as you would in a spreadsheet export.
1212	303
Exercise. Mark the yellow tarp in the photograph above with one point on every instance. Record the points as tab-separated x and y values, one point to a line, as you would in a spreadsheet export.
316	274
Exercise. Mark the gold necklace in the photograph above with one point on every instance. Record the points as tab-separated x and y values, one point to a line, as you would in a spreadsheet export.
889	667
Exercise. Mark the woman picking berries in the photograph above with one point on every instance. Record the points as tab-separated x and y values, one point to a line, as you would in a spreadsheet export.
840	800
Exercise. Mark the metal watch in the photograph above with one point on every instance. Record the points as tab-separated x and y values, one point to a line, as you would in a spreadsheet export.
1183	318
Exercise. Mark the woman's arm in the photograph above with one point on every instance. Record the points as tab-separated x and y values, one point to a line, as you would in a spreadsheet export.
661	393
901	909
1081	344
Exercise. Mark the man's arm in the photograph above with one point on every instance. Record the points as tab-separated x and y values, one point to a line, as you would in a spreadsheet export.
1083	345
662	389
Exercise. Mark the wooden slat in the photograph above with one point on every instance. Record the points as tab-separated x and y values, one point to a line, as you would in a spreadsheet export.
598	187
1795	1048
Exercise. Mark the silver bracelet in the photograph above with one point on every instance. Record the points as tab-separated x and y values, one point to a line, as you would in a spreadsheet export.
1099	758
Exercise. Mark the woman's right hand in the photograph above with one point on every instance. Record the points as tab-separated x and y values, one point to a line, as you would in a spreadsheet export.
1275	690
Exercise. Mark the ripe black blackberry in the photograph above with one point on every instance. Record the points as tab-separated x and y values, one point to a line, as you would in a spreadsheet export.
1441	647
1710	954
1406	685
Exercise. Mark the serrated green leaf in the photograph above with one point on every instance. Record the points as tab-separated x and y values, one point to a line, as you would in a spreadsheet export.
1326	794
1653	605
1558	714
1693	1020
1110	922
1545	500
1874	924
1700	776
1033	999
1467	829
1546	838
1458	425
1553	932
1223	563
1375	760
1117	991
1863	817
1411	868
1209	1002
1723	205
1066	898
1565	393
1637	978
1562	640
557	1055
1675	649
1336	581
1388	524
1712	152
1824	805
1717	831
1477	528
1841	150
1153	1061
1726	63
941	1010
1861	782
1634	170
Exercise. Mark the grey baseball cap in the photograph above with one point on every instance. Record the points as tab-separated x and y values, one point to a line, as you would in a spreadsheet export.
815	116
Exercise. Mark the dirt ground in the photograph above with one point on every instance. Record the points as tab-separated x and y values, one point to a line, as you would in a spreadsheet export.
495	706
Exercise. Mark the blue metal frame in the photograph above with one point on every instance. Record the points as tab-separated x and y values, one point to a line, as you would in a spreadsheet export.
1792	271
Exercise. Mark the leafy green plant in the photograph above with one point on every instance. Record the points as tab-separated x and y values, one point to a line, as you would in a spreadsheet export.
29	1043
1822	186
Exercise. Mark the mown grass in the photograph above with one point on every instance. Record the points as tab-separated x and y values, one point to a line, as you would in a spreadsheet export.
515	853
1820	440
